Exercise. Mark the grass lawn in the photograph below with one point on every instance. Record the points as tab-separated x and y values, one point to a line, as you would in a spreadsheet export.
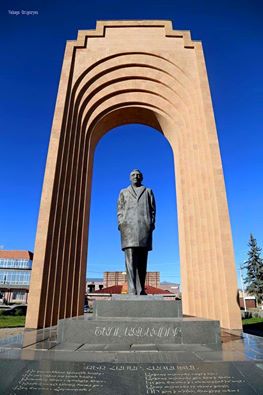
9	321
252	320
253	326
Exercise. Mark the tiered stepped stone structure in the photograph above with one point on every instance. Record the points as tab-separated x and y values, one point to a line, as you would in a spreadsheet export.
134	72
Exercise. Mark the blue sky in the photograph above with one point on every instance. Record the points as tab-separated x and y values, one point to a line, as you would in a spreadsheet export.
32	49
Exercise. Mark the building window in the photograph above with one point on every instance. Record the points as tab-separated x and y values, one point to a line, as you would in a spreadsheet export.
19	277
20	296
15	263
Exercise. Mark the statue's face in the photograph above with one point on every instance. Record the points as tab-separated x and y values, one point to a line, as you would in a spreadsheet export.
136	178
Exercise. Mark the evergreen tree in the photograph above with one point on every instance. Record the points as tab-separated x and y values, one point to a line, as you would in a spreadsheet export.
254	266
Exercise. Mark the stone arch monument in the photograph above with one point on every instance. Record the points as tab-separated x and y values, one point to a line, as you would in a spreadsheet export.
133	72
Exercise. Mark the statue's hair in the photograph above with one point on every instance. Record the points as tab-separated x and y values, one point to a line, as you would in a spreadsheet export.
137	171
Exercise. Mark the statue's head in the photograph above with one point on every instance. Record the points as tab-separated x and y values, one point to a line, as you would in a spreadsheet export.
136	177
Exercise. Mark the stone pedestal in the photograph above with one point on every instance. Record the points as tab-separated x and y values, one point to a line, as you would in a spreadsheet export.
139	320
134	306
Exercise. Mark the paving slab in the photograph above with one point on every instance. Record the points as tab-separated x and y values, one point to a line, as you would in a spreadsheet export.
66	347
117	347
221	356
104	347
237	369
22	376
13	345
183	347
6	332
44	345
184	356
144	347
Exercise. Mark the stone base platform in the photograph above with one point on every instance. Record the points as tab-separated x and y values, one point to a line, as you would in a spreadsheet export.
130	331
35	362
130	320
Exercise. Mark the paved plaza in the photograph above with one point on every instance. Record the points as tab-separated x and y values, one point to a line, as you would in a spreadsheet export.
34	362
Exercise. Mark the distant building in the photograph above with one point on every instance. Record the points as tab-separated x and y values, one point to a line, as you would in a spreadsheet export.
119	278
113	278
107	292
152	279
123	289
171	287
15	273
93	284
250	300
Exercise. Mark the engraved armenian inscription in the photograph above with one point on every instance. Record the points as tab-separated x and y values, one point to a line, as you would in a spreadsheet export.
164	382
150	379
59	381
137	331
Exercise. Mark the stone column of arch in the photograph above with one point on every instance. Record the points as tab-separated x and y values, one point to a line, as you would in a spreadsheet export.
133	72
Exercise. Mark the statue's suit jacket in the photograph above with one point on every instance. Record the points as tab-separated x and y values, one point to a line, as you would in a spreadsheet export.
136	217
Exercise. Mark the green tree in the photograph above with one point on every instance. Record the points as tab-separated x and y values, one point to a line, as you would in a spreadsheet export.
254	266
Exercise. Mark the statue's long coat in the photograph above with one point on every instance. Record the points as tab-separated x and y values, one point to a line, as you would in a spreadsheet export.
136	217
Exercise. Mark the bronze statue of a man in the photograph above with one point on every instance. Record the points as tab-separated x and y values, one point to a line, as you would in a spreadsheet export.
136	222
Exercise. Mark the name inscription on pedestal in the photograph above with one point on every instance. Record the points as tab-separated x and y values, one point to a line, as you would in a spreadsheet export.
130	331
